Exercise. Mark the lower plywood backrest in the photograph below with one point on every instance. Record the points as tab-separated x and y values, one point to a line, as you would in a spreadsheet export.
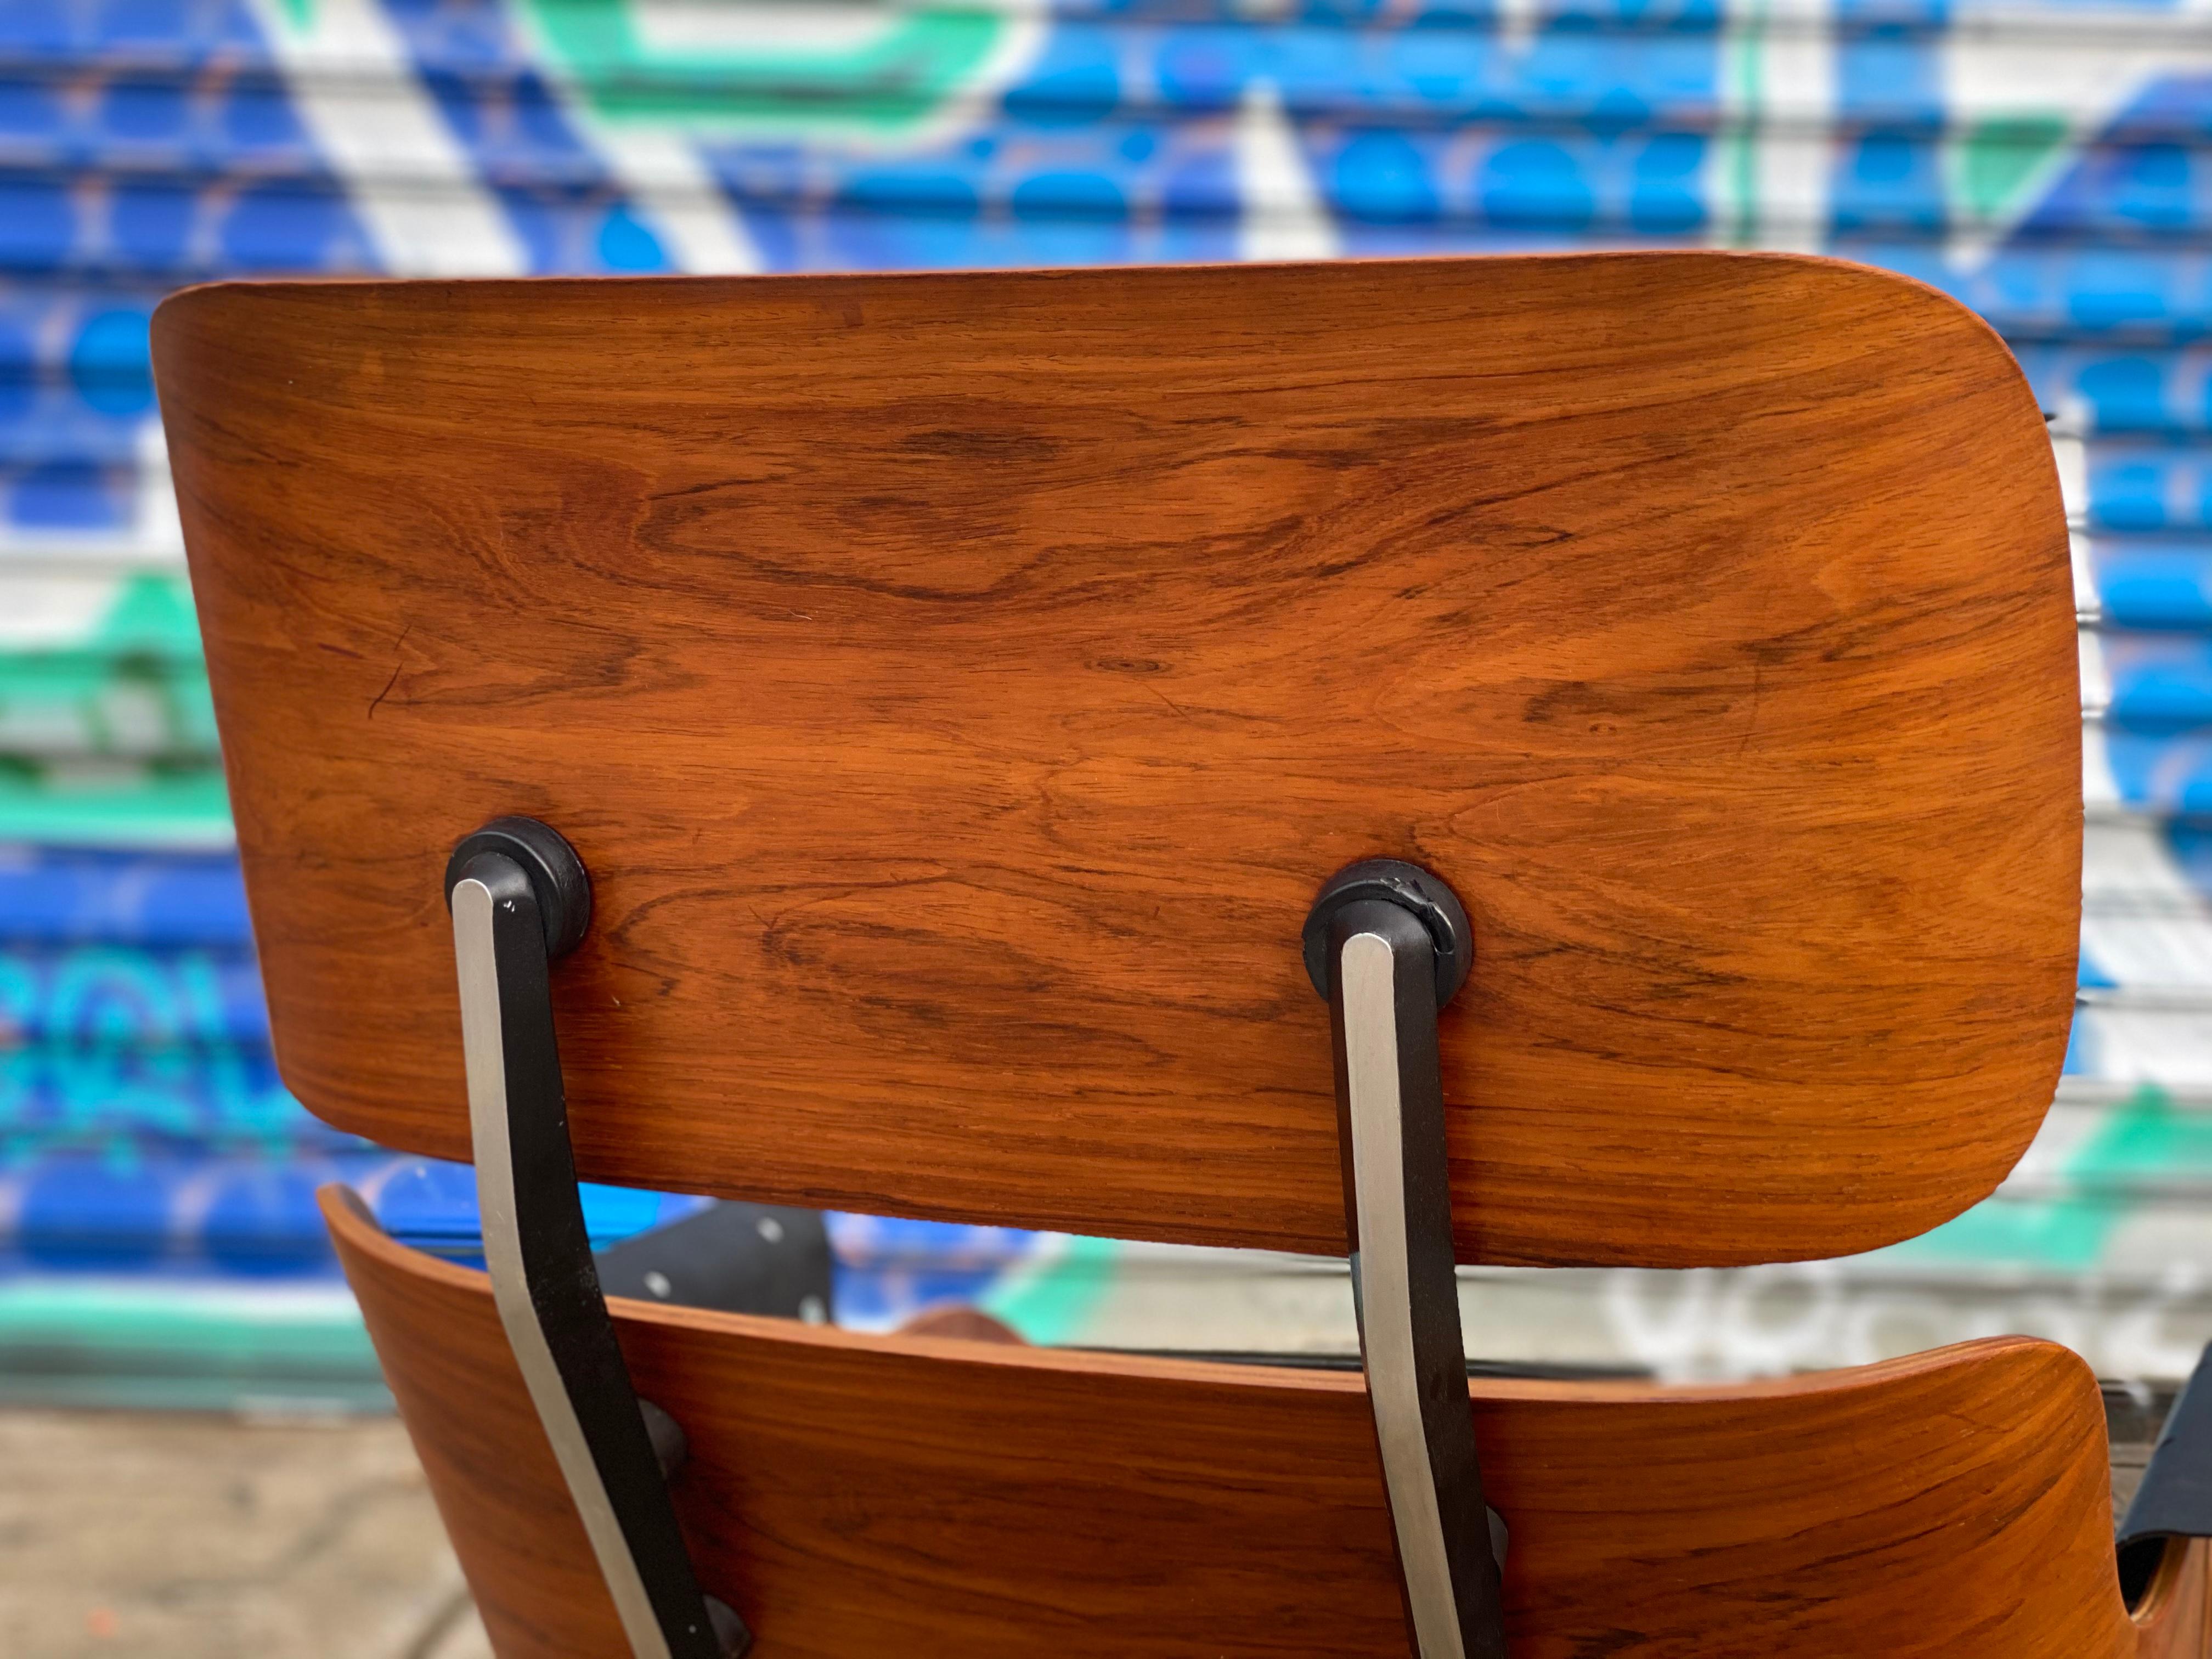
860	1497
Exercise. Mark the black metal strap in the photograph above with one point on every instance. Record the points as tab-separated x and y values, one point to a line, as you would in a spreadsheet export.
506	928
1387	943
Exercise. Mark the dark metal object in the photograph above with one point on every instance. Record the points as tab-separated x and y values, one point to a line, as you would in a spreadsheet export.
2175	1497
670	1446
519	895
734	1257
2174	1500
557	880
1412	889
1395	945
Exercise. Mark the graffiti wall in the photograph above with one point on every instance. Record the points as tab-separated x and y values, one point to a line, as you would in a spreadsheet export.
2050	164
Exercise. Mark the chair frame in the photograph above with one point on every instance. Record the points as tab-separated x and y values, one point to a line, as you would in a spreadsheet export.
1386	943
520	897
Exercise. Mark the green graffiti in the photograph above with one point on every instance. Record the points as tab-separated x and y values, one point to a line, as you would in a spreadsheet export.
82	702
150	616
119	805
2000	161
1742	66
162	1346
876	73
1049	1303
2145	1138
133	683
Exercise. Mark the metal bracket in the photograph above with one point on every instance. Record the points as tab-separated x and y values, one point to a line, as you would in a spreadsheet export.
731	1256
1388	945
520	897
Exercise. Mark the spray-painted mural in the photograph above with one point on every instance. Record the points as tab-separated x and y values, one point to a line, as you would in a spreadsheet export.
2050	164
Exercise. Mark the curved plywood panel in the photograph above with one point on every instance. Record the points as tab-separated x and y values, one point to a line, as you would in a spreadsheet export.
856	1495
959	685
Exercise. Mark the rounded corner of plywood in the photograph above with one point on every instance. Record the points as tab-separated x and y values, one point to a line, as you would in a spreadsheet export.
187	309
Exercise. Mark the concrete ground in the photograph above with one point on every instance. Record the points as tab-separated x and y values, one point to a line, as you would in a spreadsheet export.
202	1536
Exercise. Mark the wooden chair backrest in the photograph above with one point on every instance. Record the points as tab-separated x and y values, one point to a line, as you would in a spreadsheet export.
958	686
860	1495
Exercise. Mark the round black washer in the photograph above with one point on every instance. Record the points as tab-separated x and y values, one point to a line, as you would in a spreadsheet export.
1410	887
556	875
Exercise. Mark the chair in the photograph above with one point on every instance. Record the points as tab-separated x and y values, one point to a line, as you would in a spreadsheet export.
1557	760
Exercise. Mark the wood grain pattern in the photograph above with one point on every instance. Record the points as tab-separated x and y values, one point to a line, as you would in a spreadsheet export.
958	686
861	1496
2175	1619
